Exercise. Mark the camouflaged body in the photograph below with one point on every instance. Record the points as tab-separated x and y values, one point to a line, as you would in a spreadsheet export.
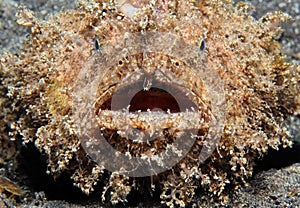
261	90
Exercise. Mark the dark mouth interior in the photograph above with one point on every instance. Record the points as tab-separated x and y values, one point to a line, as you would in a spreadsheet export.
160	97
154	99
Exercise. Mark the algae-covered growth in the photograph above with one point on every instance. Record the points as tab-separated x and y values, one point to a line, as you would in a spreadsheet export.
177	98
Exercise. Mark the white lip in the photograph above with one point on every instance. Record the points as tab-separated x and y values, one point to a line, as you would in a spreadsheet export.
150	121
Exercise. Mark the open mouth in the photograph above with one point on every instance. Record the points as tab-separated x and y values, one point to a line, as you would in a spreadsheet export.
147	115
157	97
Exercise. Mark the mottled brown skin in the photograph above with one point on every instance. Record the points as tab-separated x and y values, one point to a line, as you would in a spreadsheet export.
261	90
